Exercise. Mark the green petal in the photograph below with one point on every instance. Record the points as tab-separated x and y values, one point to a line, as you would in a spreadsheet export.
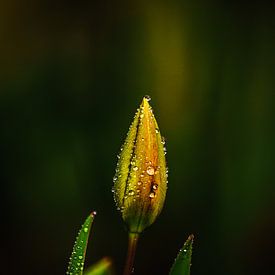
77	258
182	263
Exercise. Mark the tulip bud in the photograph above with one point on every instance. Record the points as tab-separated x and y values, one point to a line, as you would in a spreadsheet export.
140	181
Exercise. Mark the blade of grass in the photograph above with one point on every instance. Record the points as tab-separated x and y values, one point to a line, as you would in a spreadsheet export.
77	258
182	263
103	267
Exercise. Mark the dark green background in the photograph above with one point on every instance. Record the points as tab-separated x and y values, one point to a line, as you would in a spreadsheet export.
72	74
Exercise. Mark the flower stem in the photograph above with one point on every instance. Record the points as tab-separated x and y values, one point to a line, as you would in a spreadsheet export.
132	245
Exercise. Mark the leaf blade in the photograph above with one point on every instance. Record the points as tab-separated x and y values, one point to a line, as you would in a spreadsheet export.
103	267
77	258
182	263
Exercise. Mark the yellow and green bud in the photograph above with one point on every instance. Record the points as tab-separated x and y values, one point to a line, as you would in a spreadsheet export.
140	182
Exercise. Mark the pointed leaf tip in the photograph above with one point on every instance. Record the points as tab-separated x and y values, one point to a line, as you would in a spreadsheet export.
77	258
182	263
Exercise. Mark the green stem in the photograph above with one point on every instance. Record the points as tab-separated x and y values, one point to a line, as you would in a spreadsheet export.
132	246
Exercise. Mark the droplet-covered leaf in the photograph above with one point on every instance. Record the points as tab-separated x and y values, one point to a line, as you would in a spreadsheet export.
103	267
76	264
182	263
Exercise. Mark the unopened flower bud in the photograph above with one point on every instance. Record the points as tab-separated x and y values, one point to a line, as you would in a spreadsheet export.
140	181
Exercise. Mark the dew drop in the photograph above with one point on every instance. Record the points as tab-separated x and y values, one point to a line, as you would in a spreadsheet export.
139	183
147	97
131	193
85	229
155	186
135	168
80	257
152	195
150	171
94	213
157	130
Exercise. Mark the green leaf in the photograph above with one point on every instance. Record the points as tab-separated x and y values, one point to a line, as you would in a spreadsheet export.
182	263
77	258
103	267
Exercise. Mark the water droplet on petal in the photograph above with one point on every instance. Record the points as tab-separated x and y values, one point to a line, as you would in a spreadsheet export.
135	168
155	186
85	229
147	97
152	195
150	171
131	193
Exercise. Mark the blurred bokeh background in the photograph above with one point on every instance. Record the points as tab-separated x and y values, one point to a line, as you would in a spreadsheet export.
73	73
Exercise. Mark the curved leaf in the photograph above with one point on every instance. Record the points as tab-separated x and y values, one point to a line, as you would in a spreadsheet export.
182	263
77	258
